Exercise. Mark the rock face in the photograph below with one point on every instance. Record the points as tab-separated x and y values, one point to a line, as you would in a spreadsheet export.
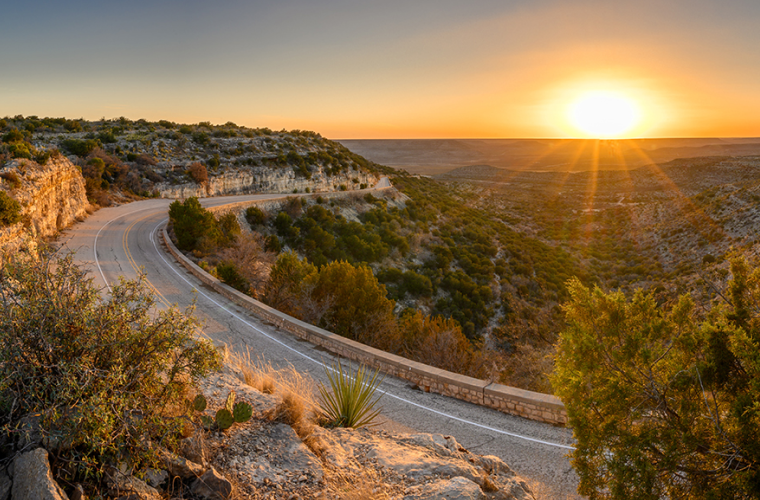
434	462
52	197
264	180
458	488
32	478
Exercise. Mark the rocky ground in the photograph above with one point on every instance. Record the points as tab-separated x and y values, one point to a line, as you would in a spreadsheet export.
265	458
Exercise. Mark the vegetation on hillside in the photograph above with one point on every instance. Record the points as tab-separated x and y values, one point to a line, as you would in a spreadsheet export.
342	297
124	159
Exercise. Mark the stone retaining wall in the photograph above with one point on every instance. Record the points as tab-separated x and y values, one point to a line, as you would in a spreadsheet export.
528	404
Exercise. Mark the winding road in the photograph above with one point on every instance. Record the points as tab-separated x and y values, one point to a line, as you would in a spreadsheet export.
118	241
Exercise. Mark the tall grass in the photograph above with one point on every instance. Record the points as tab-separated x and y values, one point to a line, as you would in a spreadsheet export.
297	392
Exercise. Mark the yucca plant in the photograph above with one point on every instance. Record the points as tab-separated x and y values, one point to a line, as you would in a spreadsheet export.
350	401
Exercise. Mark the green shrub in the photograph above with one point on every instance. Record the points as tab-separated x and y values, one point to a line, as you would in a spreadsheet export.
21	150
79	147
42	157
229	229
351	401
658	394
228	273
272	244
255	216
13	135
10	210
191	222
100	375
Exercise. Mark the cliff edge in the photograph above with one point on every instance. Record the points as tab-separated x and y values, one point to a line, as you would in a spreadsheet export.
52	196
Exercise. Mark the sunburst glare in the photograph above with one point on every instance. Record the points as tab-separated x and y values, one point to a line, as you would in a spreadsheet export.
604	114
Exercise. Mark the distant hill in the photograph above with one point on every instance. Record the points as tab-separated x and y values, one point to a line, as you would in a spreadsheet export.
436	156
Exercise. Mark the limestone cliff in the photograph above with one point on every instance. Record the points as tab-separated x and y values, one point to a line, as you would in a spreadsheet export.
52	197
247	180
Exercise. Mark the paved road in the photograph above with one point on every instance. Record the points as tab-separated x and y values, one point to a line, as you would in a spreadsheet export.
118	241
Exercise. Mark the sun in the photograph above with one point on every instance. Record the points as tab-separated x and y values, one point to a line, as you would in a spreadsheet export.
604	114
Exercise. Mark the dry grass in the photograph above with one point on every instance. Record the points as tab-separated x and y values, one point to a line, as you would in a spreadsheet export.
296	391
368	485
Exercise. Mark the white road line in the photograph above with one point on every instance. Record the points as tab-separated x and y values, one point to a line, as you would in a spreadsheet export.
399	398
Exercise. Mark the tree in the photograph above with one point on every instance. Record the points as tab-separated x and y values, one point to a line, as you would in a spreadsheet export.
284	288
191	222
98	375
356	304
437	341
664	403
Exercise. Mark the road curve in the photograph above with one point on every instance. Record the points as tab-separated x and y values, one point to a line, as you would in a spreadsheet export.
118	241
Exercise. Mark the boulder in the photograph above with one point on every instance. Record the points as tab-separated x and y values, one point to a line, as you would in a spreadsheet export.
130	487
458	488
5	485
78	493
156	477
212	486
179	466
193	449
32	478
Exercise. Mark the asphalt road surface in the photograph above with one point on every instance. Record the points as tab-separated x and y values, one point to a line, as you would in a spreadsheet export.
118	241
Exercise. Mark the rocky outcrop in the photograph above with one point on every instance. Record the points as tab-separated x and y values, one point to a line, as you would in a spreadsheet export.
52	197
267	459
247	180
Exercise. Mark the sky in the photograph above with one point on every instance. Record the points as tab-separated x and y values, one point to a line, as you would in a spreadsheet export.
352	69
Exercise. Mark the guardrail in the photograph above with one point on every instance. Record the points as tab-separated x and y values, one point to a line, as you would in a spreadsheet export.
528	404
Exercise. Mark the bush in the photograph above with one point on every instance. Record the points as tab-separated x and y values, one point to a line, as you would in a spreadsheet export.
10	210
272	244
255	216
197	171
351	301
80	148
42	157
228	272
229	229
100	375
21	150
13	135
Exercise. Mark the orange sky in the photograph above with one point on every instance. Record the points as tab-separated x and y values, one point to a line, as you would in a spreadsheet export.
393	69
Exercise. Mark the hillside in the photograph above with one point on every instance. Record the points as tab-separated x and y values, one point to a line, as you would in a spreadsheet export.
651	226
123	159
